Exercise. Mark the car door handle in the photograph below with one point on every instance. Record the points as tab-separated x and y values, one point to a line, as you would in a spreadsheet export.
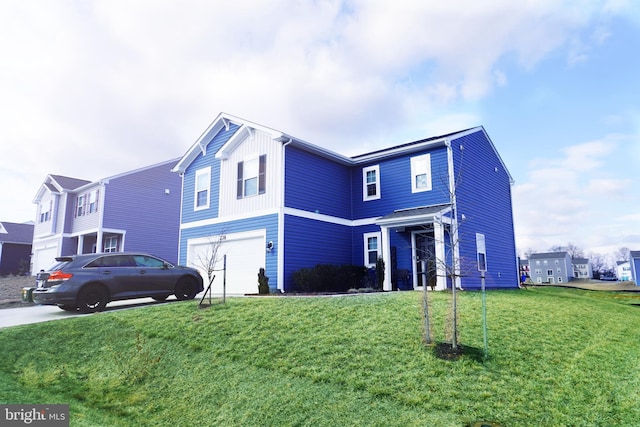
106	271
143	271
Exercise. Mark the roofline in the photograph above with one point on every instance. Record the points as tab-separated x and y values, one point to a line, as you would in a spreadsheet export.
120	175
223	120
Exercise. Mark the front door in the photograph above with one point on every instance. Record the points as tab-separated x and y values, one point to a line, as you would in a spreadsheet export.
425	259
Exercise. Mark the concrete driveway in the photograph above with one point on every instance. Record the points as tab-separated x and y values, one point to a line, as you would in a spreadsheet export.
45	313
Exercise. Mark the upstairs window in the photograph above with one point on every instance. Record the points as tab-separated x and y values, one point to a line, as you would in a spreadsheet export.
87	203
371	183
203	185
252	177
93	201
45	211
421	173
80	205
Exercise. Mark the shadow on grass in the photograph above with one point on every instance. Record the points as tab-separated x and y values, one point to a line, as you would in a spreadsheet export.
445	351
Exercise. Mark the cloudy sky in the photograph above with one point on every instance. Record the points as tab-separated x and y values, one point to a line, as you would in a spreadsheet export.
90	89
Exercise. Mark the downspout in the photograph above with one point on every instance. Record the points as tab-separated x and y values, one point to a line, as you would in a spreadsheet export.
180	227
280	248
101	209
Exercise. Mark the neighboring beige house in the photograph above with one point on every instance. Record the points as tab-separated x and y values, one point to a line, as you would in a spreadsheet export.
582	268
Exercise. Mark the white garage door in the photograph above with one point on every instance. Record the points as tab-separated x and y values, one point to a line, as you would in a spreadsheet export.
245	256
43	258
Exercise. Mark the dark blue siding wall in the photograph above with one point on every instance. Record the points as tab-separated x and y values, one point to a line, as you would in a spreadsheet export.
316	184
137	202
309	242
484	198
395	185
188	213
268	222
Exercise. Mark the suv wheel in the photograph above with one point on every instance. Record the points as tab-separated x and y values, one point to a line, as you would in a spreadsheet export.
185	289
92	298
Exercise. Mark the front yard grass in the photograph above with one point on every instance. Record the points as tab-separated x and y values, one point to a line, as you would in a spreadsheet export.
556	357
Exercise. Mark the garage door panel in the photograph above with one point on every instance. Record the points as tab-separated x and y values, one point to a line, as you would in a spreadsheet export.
244	258
44	258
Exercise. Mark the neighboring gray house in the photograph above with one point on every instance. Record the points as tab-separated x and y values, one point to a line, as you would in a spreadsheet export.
582	268
551	267
15	248
137	210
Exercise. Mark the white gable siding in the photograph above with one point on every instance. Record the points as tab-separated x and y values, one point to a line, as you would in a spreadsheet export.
250	147
47	227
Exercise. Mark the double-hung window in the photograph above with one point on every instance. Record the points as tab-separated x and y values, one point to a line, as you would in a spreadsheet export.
93	201
80	205
45	211
252	177
203	185
372	249
371	183
421	173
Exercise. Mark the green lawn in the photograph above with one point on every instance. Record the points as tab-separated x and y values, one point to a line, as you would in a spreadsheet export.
556	357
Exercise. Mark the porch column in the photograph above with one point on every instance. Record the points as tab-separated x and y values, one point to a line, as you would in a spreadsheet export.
386	257
441	271
80	244
99	245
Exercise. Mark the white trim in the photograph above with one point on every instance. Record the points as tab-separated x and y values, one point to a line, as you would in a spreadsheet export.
222	220
285	211
241	235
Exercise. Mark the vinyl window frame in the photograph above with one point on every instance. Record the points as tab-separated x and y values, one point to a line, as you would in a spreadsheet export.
368	251
366	184
421	179
202	185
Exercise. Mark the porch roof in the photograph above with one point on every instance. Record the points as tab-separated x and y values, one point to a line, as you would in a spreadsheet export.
413	216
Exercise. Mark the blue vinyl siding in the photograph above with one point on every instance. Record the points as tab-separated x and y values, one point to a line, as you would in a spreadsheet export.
395	185
268	222
188	212
635	270
310	242
132	199
316	184
484	198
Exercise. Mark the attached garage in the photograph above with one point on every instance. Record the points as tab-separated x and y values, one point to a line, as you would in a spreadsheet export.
43	257
245	253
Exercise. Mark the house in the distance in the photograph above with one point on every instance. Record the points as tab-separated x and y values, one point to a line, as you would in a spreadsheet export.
15	248
429	207
137	210
551	267
581	268
623	270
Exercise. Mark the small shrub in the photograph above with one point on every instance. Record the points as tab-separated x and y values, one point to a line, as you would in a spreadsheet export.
329	278
263	283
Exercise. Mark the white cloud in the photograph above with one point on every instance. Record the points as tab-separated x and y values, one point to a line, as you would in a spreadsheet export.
578	198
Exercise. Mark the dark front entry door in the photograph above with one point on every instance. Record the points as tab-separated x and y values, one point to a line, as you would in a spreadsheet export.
426	259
